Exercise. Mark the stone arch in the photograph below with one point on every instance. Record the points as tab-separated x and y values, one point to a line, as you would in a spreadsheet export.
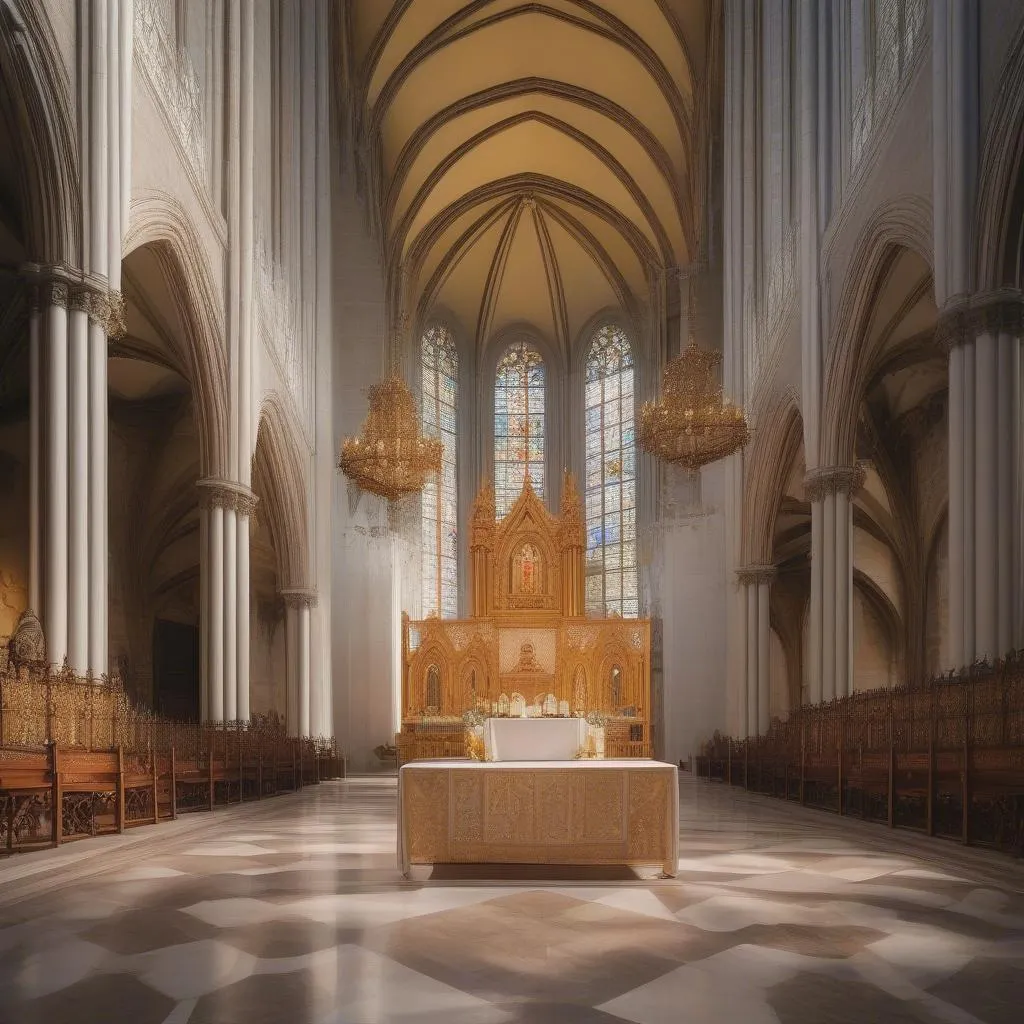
37	106
280	480
887	618
999	238
778	435
903	223
161	222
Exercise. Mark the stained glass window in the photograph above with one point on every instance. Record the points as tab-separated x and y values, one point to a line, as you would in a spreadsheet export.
610	494
518	425
440	374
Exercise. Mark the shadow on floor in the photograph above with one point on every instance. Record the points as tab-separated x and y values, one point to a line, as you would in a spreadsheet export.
533	873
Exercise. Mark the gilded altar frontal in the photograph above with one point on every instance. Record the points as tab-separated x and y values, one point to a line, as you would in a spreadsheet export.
528	642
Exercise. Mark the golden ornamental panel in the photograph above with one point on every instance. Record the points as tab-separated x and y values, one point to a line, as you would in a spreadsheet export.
538	815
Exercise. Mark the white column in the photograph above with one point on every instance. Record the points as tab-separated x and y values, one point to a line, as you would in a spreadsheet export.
1007	478
215	610
78	483
814	669
35	454
55	619
957	499
230	615
986	521
967	484
828	594
751	717
99	544
844	582
304	666
763	658
204	610
291	623
242	603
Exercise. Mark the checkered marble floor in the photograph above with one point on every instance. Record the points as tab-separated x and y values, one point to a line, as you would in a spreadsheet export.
293	910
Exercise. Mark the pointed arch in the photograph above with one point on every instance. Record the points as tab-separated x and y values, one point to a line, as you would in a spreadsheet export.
160	221
903	224
35	100
999	240
610	491
778	436
520	434
439	502
280	480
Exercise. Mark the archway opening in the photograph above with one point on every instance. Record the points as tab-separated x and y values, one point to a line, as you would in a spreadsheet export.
154	465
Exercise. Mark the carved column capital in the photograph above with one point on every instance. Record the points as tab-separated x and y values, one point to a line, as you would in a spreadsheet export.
299	597
754	575
996	312
215	492
60	285
826	480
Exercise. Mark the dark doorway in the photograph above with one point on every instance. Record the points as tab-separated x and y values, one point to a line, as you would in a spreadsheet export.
176	670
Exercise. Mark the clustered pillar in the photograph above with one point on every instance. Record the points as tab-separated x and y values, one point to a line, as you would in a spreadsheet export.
986	601
756	582
298	636
70	319
830	491
225	510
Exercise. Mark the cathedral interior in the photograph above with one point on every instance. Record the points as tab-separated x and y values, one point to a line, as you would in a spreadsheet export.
629	391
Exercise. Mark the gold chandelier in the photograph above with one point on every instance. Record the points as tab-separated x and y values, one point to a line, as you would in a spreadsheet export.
690	425
391	458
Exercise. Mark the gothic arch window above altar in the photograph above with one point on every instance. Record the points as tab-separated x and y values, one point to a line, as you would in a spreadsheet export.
439	365
519	427
610	495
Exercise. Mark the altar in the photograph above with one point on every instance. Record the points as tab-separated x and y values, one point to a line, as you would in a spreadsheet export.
586	812
534	739
528	648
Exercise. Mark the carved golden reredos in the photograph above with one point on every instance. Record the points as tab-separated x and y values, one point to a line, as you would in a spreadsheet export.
483	518
573	523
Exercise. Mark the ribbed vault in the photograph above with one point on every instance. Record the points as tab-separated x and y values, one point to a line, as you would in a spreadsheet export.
532	162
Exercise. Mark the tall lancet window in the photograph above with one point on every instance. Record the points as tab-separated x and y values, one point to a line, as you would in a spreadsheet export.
610	495
439	363
518	425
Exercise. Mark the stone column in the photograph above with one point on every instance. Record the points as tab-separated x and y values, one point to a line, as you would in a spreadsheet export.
68	465
55	448
830	490
79	504
984	334
756	581
245	508
224	575
35	458
299	603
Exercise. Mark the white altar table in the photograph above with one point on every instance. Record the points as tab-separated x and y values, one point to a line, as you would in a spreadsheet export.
539	812
534	739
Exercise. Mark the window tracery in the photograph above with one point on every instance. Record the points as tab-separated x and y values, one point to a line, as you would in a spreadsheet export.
439	364
610	496
519	427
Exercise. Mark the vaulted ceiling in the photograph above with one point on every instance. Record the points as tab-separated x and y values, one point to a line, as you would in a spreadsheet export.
533	162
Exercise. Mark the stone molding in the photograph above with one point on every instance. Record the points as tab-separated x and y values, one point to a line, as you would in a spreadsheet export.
299	597
997	312
227	494
60	285
826	480
754	575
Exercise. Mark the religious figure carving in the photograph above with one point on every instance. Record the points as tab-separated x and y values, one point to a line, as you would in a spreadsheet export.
527	570
579	691
433	690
